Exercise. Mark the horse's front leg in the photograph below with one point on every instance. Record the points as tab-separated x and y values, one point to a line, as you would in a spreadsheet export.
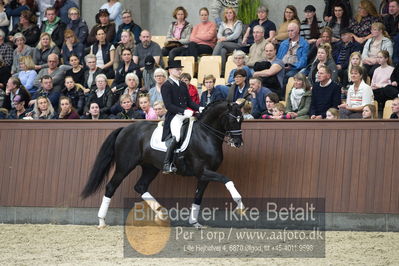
195	207
209	175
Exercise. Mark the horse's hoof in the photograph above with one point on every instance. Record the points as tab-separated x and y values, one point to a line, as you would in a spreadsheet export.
240	211
198	226
162	218
101	226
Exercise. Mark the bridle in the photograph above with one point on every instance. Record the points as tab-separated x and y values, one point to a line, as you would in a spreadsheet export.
228	133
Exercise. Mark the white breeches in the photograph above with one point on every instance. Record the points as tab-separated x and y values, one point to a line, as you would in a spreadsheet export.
175	125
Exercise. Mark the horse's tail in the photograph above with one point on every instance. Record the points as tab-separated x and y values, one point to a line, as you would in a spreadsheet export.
102	165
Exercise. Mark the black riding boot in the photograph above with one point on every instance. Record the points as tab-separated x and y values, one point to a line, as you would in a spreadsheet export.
168	166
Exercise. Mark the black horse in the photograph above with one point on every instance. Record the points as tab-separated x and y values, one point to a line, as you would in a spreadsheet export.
130	146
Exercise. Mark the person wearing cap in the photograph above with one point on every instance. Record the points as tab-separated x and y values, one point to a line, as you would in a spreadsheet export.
148	72
19	111
54	26
21	50
180	106
146	48
240	86
310	26
114	8
268	26
103	22
342	51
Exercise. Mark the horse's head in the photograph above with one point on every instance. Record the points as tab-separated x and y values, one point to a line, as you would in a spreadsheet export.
231	123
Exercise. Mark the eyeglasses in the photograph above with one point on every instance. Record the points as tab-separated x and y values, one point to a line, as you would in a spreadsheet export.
73	14
159	76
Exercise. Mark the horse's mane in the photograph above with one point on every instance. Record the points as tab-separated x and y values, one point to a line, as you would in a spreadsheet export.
210	106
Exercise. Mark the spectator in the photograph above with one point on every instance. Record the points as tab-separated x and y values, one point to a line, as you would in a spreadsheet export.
27	75
329	8
27	26
271	71
127	66
239	88
246	110
144	102
391	22
395	109
19	111
325	37
146	48
229	35
203	37
77	24
102	95
271	100
342	52
42	109
57	73
77	72
299	98
290	15
160	109
105	54
148	73
45	47
378	42
240	59
192	90
14	10
217	6
383	87
293	52
332	114
325	94
94	112
366	16
210	93
103	22
323	58
127	42
114	9
160	76
14	88
21	50
310	26
128	112
178	33
128	24
67	111
256	51
72	46
368	111
269	29
62	8
354	60
47	90
54	26
340	20
383	8
6	51
5	74
258	95
75	94
278	113
132	89
359	94
91	73
4	21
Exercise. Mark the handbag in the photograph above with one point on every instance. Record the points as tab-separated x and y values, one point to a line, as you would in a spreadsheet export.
172	44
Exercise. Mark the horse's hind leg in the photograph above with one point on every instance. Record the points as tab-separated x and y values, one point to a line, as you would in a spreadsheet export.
195	207
149	172
121	171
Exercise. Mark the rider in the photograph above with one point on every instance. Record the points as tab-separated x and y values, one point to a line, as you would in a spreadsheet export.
180	106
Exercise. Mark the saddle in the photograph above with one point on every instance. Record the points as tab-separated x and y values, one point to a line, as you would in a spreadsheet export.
156	142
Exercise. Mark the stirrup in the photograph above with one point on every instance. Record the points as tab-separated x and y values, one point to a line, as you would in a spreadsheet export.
169	169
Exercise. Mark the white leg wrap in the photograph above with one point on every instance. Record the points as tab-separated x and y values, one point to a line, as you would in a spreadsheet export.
195	208
151	201
233	191
102	212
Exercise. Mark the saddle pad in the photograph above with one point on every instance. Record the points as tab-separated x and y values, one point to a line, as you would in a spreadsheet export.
157	144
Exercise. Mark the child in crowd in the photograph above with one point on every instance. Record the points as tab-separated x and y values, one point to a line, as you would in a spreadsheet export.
246	110
278	113
368	111
332	114
144	102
